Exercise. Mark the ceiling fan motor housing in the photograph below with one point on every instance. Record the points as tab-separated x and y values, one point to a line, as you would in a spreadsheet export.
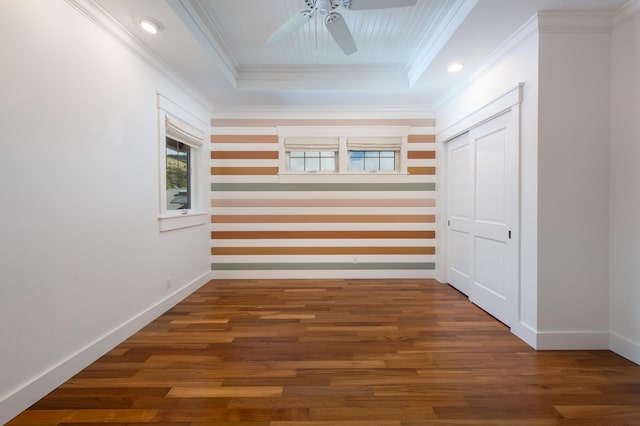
326	6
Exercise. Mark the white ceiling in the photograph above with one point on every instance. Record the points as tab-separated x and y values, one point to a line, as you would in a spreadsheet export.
218	47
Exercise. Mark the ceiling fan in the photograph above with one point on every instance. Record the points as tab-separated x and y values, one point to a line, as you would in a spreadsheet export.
334	22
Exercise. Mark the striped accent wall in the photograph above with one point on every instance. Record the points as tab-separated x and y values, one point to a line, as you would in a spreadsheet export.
343	227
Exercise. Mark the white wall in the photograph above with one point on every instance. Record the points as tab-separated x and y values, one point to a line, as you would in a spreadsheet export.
82	261
516	63
624	194
573	138
564	173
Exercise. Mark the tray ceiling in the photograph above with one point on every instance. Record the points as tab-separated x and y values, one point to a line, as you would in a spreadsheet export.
219	48
393	44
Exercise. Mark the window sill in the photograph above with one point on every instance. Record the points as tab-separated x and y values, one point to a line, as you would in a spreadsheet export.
349	177
170	222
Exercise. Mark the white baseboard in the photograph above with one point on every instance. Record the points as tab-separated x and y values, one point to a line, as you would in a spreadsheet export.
22	398
624	347
572	340
579	341
526	334
323	274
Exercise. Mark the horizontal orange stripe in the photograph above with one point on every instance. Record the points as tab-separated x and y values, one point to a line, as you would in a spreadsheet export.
421	155
216	171
421	138
323	218
244	155
244	139
421	170
280	235
241	251
240	122
354	202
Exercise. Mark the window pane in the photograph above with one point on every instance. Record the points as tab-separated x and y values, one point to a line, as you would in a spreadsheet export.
387	154
328	164
296	164
296	154
327	154
387	164
372	154
371	164
178	177
356	165
356	161
312	164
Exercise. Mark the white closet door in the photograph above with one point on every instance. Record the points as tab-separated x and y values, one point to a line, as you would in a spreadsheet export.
460	203
481	210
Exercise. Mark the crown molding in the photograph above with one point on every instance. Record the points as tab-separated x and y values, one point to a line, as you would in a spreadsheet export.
433	42
324	112
515	39
628	12
574	22
194	16
113	28
310	77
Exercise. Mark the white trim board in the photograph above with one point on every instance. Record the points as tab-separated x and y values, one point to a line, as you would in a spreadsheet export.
323	274
494	107
572	340
624	347
629	11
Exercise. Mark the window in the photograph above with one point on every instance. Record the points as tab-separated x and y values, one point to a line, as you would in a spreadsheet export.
178	175
374	154
342	153
312	161
311	154
181	166
372	161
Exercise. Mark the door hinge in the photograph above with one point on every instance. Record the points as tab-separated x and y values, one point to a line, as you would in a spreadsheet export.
448	223
509	234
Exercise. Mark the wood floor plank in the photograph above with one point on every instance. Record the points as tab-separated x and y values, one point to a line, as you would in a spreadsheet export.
224	392
340	423
402	352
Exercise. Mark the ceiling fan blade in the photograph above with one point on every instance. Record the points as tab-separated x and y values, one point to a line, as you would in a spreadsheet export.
379	4
296	21
340	32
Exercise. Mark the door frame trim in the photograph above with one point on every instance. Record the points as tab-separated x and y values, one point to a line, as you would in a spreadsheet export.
498	105
503	103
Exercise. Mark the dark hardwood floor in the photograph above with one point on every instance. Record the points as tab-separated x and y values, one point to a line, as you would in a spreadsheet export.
339	352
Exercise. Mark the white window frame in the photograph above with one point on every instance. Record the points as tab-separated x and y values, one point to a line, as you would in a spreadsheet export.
378	144
310	144
373	134
179	124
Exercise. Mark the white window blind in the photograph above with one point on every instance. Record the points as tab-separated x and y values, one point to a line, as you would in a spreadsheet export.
374	144
183	132
311	144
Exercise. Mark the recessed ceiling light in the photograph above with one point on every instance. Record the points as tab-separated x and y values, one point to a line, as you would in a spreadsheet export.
455	67
149	25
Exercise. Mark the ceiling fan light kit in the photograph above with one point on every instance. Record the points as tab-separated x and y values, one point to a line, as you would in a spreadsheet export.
333	21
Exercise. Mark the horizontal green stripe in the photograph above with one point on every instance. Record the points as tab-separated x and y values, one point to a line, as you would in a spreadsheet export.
318	266
304	187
